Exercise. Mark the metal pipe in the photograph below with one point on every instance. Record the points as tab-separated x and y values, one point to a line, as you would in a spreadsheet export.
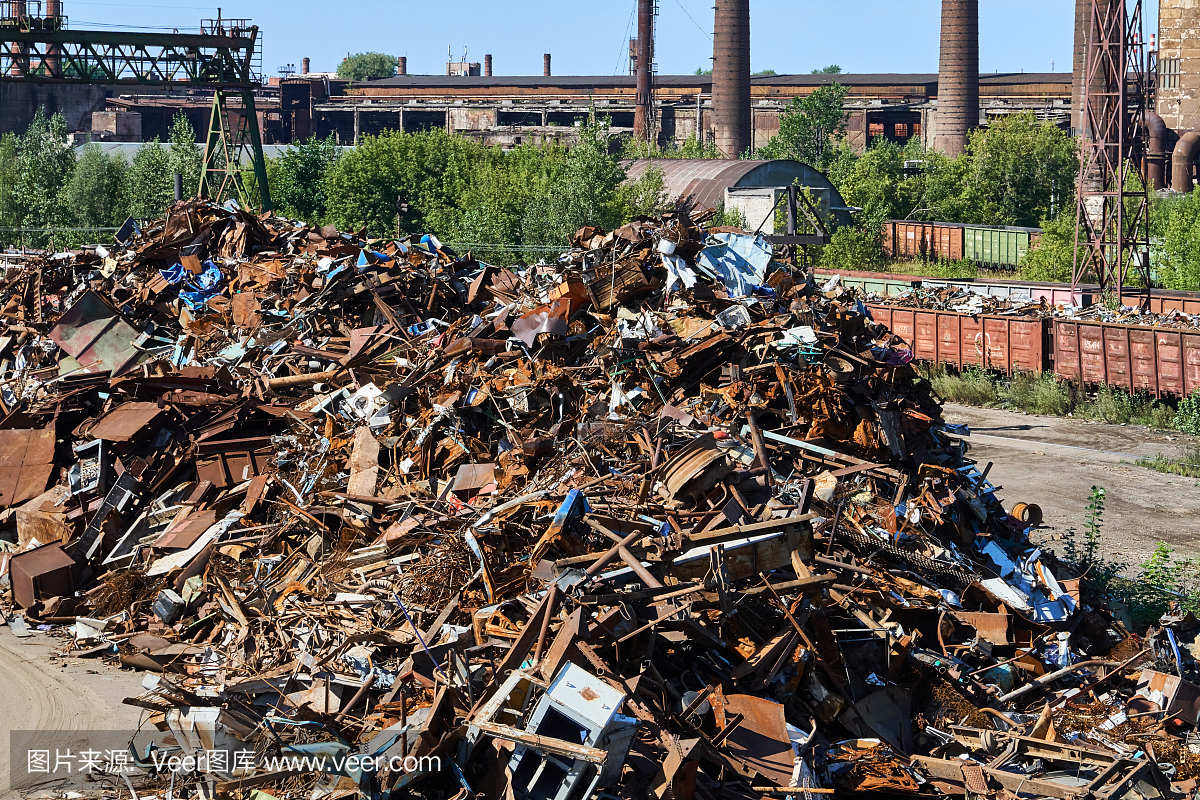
731	77
1156	150
1183	159
958	76
643	66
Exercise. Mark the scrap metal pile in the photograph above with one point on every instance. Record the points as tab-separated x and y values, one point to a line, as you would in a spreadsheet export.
655	519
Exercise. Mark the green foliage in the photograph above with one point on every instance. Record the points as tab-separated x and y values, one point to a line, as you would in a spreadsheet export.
633	149
185	156
972	386
764	73
93	196
852	247
44	160
9	216
1038	393
1187	416
149	187
367	66
1187	463
644	196
830	69
728	217
1175	224
583	193
298	178
1053	258
1084	552
808	126
1021	171
703	71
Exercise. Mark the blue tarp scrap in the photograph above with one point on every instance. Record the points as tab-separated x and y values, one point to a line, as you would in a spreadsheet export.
738	260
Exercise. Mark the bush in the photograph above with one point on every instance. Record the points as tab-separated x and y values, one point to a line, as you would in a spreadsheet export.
1038	393
1187	417
971	387
853	248
1186	464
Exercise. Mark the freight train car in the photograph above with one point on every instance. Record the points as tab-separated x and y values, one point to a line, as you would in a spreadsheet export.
997	247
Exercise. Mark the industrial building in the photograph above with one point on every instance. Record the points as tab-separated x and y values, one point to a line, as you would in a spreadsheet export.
730	109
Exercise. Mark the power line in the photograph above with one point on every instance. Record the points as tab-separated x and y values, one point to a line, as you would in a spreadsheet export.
693	19
625	39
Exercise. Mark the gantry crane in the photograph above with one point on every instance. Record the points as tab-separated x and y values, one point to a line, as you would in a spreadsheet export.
40	47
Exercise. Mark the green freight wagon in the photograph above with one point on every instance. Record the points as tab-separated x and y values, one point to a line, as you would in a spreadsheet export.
990	246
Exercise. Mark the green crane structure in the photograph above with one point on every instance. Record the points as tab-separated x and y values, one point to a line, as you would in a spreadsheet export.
220	58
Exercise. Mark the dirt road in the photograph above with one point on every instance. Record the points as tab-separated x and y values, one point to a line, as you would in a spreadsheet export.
1054	462
41	692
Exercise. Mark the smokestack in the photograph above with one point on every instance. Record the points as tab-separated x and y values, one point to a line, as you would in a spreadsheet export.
19	52
304	65
53	12
1083	24
731	77
487	65
958	76
643	65
546	65
402	65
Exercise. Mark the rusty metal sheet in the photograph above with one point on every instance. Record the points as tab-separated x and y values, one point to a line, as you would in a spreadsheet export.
760	743
986	340
185	530
125	421
96	336
1159	361
26	463
43	572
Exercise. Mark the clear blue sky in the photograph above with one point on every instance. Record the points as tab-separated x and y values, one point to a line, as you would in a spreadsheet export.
590	38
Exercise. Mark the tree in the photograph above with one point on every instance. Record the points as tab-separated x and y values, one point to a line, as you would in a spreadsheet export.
9	216
1053	258
808	125
1021	171
185	156
584	193
1175	223
94	194
702	71
831	69
643	196
44	160
298	177
367	66
764	73
149	188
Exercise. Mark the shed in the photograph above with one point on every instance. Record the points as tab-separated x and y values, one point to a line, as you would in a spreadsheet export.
751	186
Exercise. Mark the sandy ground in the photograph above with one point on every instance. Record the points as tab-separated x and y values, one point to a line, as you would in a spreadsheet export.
1054	462
42	691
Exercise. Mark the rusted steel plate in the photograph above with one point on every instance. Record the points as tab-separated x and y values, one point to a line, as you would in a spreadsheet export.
26	463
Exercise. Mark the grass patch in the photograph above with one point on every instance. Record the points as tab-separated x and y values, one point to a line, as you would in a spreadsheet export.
971	387
1187	463
1038	393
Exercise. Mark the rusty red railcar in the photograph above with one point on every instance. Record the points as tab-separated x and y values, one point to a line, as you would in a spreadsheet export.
990	341
1138	358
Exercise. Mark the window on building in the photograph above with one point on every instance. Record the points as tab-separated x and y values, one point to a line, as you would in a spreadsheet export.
916	129
874	130
901	130
1168	73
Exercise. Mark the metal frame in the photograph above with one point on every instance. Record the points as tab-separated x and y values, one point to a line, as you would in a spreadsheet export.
1112	211
221	57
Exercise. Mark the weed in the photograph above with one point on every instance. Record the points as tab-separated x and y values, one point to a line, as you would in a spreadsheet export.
972	386
1187	416
1186	464
1038	393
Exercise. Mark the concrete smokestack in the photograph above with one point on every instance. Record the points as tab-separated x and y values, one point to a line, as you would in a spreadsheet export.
1083	31
304	65
53	11
731	77
402	65
19	52
958	76
487	65
644	64
546	65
